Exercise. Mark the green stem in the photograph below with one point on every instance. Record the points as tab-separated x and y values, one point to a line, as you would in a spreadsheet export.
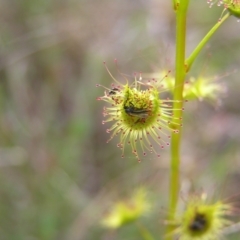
177	95
146	235
200	46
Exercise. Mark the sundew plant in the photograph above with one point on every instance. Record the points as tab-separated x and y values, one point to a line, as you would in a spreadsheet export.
144	120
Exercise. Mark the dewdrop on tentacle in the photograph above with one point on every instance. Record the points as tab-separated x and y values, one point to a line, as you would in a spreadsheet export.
232	6
139	117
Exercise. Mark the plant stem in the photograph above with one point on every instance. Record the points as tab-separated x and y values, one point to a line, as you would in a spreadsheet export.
177	95
146	235
200	46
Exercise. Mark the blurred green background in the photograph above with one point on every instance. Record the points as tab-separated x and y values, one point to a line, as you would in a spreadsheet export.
58	176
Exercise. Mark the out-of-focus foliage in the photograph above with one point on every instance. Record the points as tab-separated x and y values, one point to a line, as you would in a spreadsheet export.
57	175
128	210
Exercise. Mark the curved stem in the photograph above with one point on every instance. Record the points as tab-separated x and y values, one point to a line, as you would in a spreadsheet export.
146	235
200	46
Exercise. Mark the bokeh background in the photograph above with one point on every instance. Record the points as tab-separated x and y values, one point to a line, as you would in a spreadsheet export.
58	177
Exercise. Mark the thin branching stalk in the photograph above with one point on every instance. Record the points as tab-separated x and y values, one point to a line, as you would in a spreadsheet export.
203	42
